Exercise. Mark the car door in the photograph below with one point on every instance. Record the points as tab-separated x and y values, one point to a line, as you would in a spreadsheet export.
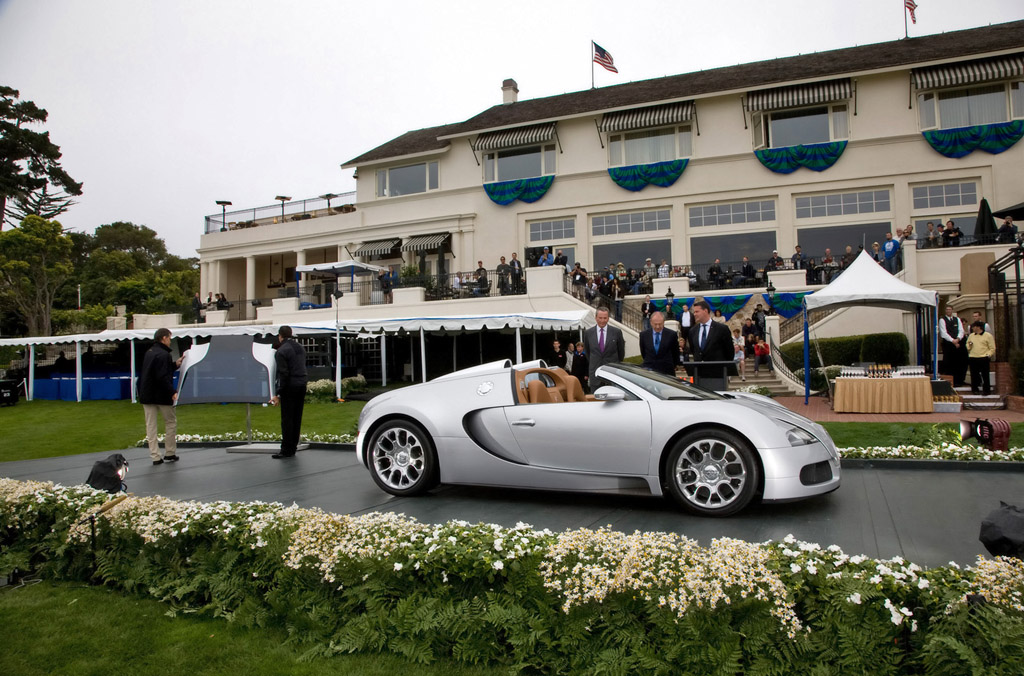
612	437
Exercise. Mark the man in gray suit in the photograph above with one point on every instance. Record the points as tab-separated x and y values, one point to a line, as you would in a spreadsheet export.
603	344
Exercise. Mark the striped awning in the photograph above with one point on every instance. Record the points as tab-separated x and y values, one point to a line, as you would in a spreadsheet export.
985	70
425	242
379	248
520	136
652	116
799	95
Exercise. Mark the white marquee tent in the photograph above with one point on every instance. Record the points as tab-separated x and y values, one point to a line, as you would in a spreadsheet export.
866	283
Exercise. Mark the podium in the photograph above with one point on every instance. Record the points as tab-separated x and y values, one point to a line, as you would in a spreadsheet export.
711	375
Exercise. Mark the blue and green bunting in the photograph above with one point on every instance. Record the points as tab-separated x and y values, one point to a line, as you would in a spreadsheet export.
677	304
525	189
992	138
817	157
787	304
637	176
729	305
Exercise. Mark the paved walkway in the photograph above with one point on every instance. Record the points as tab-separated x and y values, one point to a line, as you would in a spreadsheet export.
818	409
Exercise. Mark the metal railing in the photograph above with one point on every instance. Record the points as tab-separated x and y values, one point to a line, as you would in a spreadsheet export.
622	311
296	210
795	324
453	286
779	363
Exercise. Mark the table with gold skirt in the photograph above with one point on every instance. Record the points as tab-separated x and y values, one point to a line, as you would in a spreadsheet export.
883	395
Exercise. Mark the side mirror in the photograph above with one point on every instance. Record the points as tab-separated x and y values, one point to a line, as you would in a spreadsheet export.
609	393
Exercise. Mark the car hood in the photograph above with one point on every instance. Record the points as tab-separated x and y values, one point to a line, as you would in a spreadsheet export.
772	409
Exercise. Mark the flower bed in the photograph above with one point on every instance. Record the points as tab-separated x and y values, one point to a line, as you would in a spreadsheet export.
582	601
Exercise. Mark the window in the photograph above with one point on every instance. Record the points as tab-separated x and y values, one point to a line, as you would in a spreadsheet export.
968	106
637	221
543	231
814	241
508	165
653	145
407	180
945	195
732	248
802	126
632	254
842	204
737	212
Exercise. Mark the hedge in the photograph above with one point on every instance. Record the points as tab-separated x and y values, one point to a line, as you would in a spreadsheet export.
887	348
524	600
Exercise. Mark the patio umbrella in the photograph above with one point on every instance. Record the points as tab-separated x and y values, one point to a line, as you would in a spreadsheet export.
985	227
1016	212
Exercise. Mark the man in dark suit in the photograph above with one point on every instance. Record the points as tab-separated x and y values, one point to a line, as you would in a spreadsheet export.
709	340
603	344
659	346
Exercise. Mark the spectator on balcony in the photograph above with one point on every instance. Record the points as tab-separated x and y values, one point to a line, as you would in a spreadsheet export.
481	285
848	258
813	274
690	275
829	266
210	302
932	237
546	258
457	284
746	274
516	272
715	274
1007	233
481	271
799	259
503	271
592	289
663	269
650	269
891	250
223	303
952	235
876	252
775	262
908	234
578	277
197	307
562	261
386	289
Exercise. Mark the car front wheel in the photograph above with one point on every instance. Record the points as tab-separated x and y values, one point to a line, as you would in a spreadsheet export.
712	473
402	458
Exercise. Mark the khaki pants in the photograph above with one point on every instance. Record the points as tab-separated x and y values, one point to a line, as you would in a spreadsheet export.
170	429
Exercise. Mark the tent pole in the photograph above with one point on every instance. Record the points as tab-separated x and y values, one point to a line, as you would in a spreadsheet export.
383	359
31	393
78	370
807	358
519	347
131	386
423	356
534	337
248	421
337	360
480	337
455	356
935	341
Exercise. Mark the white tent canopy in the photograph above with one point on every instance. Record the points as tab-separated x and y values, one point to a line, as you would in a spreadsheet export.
865	282
539	321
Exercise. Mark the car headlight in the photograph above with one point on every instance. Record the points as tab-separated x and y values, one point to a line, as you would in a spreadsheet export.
798	436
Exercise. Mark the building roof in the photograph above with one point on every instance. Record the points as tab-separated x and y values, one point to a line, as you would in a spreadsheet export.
930	49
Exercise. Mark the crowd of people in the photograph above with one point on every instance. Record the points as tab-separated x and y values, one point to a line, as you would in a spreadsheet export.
213	302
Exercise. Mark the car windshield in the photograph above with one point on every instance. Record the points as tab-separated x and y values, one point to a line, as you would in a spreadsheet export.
659	385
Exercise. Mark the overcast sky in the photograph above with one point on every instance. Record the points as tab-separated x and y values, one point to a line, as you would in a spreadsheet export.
162	108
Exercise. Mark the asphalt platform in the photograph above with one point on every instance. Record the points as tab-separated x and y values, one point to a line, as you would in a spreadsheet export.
929	514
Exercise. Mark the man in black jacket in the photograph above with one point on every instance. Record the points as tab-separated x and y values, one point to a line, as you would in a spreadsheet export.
659	346
709	340
157	395
291	390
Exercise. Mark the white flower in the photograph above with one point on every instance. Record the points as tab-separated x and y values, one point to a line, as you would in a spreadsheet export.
795	567
854	598
498	565
877	579
922	583
398	566
812	569
497	545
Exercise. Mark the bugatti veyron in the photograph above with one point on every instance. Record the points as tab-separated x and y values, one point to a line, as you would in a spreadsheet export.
532	426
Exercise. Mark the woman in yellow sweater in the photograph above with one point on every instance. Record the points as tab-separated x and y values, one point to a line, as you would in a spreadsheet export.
981	347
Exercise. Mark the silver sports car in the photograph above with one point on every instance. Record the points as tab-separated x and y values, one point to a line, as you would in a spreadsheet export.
531	426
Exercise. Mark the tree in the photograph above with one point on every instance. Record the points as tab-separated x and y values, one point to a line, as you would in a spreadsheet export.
41	203
29	161
35	262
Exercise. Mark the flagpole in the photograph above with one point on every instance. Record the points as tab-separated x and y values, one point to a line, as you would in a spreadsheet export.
591	64
906	33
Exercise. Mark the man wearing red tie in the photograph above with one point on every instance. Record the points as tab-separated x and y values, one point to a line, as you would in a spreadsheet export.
603	344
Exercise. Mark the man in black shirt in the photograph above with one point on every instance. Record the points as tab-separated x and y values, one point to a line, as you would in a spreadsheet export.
291	389
157	396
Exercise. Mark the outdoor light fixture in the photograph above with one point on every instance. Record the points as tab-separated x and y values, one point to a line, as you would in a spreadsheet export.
338	293
107	475
282	199
995	434
224	204
770	291
669	298
256	302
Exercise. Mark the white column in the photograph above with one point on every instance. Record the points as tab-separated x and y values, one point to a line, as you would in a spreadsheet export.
250	285
423	357
78	371
300	259
337	360
204	279
132	387
31	372
383	360
519	347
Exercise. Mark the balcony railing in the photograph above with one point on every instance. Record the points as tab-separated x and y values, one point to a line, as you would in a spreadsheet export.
296	210
467	285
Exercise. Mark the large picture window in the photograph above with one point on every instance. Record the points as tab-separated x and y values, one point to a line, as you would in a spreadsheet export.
814	241
944	195
757	246
727	214
509	165
647	147
843	204
969	106
637	221
545	231
407	180
801	126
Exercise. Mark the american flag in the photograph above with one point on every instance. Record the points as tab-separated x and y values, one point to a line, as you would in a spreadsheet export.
603	58
911	6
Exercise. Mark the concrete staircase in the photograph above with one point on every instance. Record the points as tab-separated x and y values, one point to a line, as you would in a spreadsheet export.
979	402
764	378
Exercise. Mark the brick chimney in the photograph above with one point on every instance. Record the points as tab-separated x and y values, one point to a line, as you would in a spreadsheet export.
509	91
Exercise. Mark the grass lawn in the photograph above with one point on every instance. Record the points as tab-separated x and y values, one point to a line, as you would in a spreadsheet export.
74	629
43	429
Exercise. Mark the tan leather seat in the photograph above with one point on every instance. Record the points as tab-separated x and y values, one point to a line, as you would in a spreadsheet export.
568	385
537	392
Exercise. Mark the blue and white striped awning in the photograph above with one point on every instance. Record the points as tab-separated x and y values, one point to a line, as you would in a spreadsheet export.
651	116
795	96
953	74
425	242
511	138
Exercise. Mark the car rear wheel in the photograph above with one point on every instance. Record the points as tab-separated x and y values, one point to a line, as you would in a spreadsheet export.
712	473
402	458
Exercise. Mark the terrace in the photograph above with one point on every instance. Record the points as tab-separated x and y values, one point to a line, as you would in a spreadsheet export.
285	210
